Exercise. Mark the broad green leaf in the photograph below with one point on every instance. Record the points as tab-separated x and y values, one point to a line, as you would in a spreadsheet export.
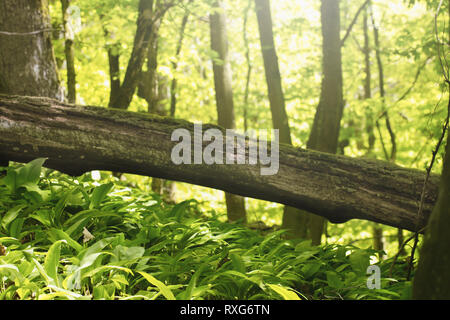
15	227
286	293
42	272
30	172
303	246
51	262
334	280
127	253
77	222
165	291
11	271
61	235
99	194
238	263
105	268
11	215
59	208
179	209
104	292
10	180
62	293
311	269
360	261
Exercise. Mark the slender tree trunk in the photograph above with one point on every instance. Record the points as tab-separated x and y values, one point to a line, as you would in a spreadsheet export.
273	77
291	217
152	88
70	54
141	42
377	230
27	62
368	85
114	71
224	95
174	83
113	49
393	154
249	64
149	85
327	121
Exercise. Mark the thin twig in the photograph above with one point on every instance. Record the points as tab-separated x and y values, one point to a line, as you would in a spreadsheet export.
355	18
416	78
400	250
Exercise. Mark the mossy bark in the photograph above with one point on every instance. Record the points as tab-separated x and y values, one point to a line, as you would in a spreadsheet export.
78	139
27	62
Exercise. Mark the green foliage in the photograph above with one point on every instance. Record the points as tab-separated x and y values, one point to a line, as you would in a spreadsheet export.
139	247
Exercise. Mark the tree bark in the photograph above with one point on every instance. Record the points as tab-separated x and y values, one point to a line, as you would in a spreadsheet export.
324	134
27	62
78	139
224	95
70	55
291	216
432	278
174	83
137	58
153	89
149	84
273	77
113	49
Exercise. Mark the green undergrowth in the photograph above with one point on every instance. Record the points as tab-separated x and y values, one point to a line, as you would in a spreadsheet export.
85	238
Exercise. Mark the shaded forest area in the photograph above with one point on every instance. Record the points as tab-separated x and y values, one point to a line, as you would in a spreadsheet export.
93	205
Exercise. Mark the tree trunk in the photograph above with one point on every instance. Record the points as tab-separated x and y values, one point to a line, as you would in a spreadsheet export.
70	55
368	86
327	121
224	95
273	77
113	49
78	139
432	278
291	216
137	58
174	83
27	62
153	89
149	80
377	230
249	64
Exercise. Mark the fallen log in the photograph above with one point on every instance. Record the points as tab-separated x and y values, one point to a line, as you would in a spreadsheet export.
78	139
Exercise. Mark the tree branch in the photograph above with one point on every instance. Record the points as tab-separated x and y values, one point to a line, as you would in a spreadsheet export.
352	24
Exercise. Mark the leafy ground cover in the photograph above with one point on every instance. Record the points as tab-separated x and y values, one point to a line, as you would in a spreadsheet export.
96	238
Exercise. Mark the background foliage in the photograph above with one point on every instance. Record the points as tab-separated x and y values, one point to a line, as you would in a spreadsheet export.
146	248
